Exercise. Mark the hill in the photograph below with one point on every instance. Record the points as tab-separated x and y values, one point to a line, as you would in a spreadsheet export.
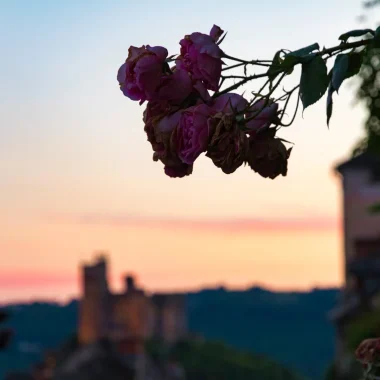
291	328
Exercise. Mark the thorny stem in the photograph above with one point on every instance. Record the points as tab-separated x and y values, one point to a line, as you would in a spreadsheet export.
237	85
261	89
260	62
295	112
233	66
287	93
267	98
329	51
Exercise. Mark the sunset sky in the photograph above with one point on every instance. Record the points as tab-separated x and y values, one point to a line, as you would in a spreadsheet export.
77	173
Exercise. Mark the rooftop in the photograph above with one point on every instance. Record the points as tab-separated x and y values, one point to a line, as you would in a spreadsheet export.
364	160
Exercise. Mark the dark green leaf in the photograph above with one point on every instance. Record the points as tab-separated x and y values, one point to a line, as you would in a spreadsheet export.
274	69
355	63
375	209
304	51
377	34
314	81
346	65
340	71
376	39
329	104
355	33
288	63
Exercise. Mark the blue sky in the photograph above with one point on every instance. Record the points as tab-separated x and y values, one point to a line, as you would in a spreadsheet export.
72	145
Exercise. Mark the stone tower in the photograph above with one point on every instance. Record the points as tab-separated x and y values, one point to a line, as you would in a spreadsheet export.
93	316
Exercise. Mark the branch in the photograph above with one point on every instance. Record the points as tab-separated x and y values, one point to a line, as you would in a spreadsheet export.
329	51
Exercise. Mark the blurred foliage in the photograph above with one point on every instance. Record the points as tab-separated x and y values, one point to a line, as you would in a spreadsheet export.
5	333
356	372
369	93
203	360
364	327
375	208
276	325
371	3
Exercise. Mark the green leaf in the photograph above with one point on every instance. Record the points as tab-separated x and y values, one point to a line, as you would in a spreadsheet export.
340	71
314	81
274	69
346	65
376	38
329	104
377	34
375	209
355	63
355	33
288	63
304	51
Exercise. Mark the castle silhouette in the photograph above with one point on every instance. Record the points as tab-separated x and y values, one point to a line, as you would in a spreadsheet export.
129	318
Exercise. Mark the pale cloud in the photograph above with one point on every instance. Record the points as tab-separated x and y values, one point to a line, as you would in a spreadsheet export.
231	225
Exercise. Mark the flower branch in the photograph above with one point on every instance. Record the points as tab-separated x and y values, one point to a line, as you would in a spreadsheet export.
183	120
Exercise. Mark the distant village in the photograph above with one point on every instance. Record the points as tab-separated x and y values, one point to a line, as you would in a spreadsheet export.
113	327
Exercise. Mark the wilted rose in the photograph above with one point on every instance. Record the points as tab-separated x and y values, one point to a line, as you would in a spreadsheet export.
154	112
175	88
263	115
192	133
177	169
161	119
368	352
229	145
202	57
141	73
267	155
229	103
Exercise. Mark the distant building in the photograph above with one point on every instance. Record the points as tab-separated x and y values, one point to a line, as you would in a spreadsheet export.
128	318
361	292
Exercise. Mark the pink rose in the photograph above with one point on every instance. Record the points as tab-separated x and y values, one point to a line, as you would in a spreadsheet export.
202	57
216	32
154	112
229	103
160	122
175	87
141	73
202	93
192	133
265	118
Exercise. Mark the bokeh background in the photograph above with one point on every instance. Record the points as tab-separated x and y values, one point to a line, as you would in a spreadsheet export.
77	173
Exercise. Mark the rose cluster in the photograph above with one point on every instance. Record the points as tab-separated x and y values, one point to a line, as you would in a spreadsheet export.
182	120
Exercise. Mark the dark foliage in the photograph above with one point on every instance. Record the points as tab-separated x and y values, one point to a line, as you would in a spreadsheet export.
290	328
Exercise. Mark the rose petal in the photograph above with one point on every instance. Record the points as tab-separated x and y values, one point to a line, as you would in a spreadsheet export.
160	51
168	123
216	32
229	103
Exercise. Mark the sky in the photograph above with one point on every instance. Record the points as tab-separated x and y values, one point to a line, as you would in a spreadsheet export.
77	174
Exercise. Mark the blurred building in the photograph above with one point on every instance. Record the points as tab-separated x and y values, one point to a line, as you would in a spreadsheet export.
129	318
361	189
